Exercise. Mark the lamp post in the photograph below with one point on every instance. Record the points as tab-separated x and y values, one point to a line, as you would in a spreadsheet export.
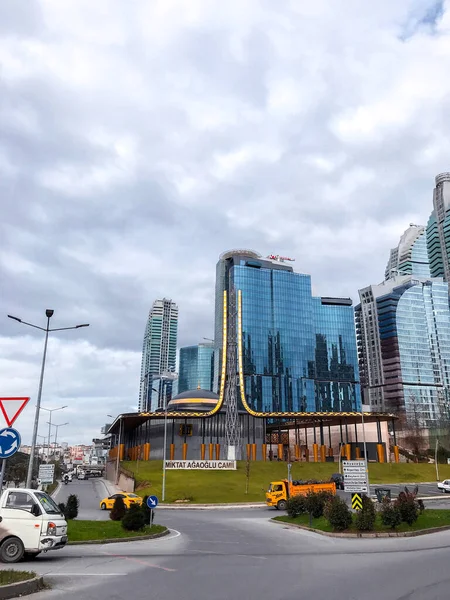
48	313
51	410
57	428
167	376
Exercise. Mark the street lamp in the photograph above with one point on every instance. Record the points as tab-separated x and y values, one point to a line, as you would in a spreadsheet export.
51	410
57	427
167	376
48	313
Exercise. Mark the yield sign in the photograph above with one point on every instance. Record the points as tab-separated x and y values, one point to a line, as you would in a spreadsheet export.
12	407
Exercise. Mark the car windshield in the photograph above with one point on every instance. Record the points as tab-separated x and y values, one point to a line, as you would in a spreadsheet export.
48	504
132	496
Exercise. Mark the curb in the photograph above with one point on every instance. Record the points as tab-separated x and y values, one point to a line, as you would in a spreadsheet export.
374	534
56	490
21	588
151	536
210	506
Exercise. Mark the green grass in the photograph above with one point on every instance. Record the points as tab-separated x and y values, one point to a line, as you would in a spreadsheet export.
83	531
8	576
427	520
229	486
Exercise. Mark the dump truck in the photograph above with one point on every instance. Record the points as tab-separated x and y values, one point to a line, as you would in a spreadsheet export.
279	492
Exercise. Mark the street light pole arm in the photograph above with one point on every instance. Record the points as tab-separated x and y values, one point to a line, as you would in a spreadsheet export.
29	324
66	328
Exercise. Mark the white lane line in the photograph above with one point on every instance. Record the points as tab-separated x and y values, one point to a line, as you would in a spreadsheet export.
84	574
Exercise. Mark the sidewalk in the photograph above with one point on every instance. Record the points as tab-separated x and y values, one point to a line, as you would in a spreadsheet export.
111	487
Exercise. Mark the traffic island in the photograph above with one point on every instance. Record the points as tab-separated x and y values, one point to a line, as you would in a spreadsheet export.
19	583
108	532
430	521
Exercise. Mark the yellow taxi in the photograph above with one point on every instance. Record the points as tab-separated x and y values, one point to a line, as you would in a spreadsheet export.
128	500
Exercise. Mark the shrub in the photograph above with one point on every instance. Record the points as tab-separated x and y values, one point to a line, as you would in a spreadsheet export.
145	510
134	518
315	503
408	507
118	510
296	506
365	518
338	514
390	514
70	508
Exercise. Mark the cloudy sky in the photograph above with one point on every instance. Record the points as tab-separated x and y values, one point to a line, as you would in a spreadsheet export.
139	140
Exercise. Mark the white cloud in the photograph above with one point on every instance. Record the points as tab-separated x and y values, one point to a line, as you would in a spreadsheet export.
139	141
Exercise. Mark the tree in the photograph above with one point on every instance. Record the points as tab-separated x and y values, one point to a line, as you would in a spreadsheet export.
133	519
119	509
70	508
413	426
247	474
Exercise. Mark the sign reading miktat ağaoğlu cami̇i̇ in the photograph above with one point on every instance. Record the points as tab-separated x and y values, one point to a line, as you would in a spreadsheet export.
203	465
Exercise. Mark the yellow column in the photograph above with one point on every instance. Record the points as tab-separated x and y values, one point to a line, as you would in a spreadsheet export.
380	453
264	451
217	451
358	453
348	451
121	451
396	454
316	452
172	451
343	450
280	452
249	451
330	451
202	451
323	453
297	452
211	451
185	447
253	451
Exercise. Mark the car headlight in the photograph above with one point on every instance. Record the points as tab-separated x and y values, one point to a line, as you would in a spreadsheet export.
51	528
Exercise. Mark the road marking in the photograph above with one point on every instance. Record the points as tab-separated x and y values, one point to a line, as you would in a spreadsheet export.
140	562
84	574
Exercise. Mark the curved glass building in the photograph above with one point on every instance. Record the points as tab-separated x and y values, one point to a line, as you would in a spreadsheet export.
298	351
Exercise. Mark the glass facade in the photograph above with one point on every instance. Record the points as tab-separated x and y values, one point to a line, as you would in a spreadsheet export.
299	352
196	368
410	257
414	331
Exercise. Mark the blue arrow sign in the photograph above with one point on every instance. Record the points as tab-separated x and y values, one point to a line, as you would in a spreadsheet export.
9	442
152	501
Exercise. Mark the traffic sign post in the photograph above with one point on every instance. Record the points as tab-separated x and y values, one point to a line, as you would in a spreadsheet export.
355	476
152	503
46	473
356	502
9	442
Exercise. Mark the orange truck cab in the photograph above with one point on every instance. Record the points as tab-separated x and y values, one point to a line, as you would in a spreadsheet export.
279	492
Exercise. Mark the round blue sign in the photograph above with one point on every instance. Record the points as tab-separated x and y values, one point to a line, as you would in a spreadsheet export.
152	501
9	442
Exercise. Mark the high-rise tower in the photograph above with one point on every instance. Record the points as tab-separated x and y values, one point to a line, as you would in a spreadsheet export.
438	229
159	353
410	257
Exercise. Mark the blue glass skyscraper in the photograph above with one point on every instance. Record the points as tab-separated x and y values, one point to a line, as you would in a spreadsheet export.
298	351
196	368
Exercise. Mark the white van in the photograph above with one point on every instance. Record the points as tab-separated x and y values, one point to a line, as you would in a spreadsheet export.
81	475
30	523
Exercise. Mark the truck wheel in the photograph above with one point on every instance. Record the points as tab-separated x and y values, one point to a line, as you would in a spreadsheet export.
12	550
103	506
282	505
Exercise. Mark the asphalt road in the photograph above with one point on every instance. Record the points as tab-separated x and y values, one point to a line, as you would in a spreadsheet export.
223	554
89	492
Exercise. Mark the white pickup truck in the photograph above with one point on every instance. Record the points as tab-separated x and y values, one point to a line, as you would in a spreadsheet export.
30	523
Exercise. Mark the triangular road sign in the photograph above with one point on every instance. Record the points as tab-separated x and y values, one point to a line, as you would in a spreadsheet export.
12	407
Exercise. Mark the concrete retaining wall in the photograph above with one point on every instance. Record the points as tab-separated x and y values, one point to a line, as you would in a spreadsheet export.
126	481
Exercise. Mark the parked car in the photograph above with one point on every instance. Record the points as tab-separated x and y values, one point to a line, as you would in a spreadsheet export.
444	486
128	500
338	479
82	475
